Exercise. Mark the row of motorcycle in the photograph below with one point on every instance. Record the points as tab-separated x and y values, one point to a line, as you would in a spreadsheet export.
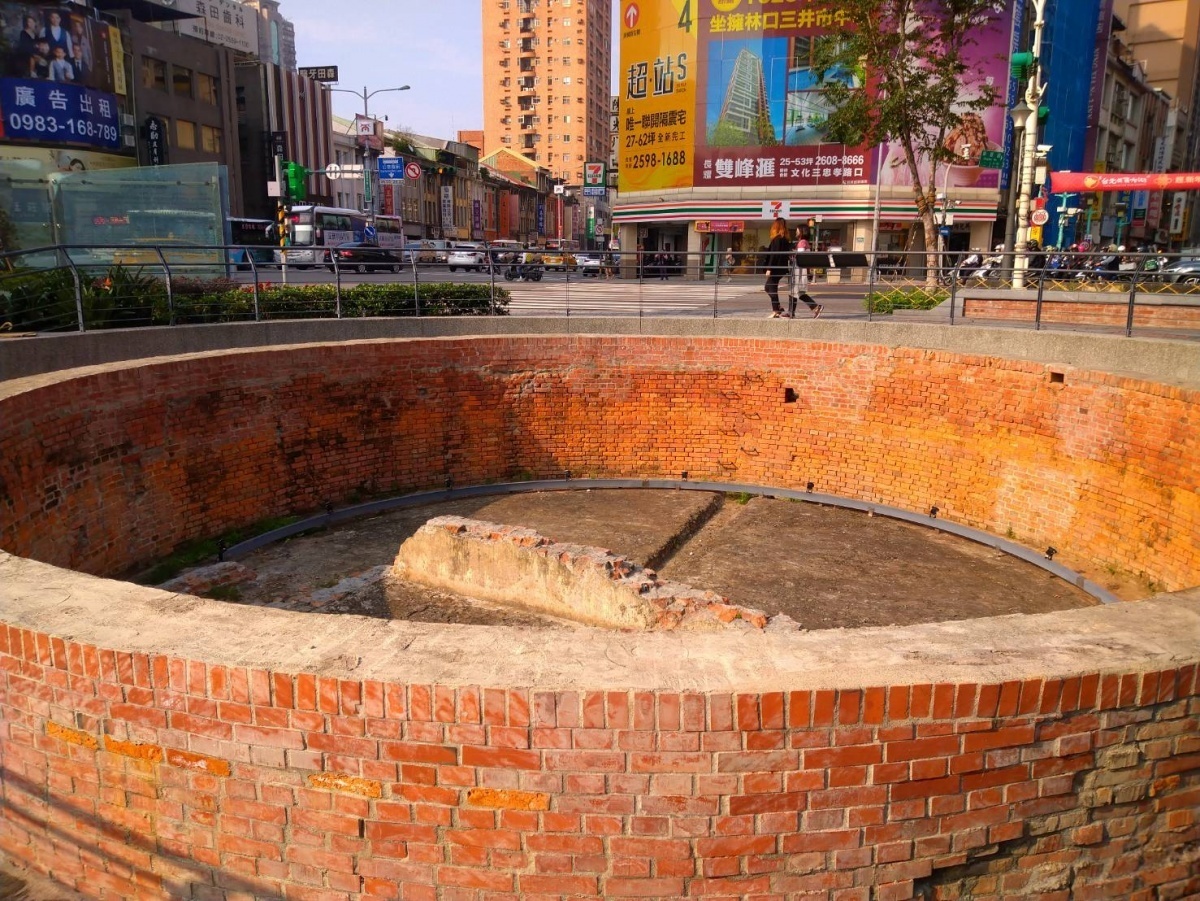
1062	265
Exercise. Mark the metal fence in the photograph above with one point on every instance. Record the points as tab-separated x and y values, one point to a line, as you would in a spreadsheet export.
83	287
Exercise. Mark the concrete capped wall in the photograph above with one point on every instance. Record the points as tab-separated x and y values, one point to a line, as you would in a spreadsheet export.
157	745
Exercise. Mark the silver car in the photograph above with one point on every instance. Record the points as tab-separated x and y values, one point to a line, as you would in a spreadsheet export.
466	256
1181	272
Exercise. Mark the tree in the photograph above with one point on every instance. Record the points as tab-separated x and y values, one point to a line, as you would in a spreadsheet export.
402	141
913	84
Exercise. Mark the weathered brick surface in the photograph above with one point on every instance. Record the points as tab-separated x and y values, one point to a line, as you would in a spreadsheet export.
144	775
1111	309
568	821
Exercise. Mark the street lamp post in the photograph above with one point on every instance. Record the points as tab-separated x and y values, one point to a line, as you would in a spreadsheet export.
1122	210
365	95
1071	213
1064	209
947	206
1034	89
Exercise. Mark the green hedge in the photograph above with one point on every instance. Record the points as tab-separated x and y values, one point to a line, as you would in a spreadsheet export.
908	298
124	297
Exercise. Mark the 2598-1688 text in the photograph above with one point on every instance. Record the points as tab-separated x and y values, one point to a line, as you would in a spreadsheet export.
650	160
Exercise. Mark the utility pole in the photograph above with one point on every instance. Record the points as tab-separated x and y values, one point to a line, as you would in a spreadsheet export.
365	95
1034	90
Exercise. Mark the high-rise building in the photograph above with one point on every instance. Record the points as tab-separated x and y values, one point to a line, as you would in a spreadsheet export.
546	84
276	35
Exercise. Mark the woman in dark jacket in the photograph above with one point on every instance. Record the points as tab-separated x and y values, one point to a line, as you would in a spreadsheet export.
778	252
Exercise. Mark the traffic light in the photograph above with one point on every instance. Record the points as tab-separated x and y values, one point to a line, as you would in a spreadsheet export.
295	178
1043	114
1021	65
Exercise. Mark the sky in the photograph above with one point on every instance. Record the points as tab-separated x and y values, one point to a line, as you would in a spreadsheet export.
433	46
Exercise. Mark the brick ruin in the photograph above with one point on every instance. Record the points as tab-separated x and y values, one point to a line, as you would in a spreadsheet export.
156	745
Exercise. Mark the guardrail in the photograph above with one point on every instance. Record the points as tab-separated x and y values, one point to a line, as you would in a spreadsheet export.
83	287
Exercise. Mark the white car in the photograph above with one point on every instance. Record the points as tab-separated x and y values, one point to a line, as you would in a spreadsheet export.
466	256
589	263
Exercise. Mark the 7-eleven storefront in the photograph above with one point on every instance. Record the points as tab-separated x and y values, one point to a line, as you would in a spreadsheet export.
705	230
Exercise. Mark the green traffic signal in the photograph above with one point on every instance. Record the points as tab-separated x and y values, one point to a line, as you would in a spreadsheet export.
1043	114
295	178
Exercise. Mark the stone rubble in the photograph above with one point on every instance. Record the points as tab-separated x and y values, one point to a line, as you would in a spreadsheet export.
675	606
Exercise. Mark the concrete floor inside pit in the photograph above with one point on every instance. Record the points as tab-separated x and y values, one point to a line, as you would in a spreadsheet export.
825	567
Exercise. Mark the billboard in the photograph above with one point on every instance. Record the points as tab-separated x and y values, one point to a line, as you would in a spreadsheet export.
57	44
224	22
724	93
58	77
763	112
658	91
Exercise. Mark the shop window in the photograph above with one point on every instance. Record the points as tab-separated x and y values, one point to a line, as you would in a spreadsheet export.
154	73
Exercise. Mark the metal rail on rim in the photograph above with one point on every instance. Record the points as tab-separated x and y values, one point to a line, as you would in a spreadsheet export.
345	514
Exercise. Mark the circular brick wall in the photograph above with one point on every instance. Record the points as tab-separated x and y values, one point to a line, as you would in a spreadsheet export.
156	745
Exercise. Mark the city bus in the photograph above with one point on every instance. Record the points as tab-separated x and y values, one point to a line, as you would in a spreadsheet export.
389	232
254	239
313	229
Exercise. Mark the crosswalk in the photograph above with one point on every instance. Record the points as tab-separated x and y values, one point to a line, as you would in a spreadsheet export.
589	297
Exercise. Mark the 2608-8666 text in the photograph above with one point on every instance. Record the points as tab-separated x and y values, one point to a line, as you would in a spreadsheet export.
664	158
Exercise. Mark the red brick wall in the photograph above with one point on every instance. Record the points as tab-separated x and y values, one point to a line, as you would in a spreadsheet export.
116	469
142	775
1114	311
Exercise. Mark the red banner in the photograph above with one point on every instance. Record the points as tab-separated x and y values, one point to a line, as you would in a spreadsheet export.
1071	182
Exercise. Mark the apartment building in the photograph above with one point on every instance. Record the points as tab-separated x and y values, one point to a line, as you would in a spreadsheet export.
546	92
1164	36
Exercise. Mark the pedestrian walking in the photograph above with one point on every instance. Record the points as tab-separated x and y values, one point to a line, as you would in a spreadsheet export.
779	250
798	281
729	264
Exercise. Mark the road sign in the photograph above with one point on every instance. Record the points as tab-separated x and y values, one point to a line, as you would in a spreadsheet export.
944	231
412	170
1039	217
369	233
991	159
589	191
333	170
391	167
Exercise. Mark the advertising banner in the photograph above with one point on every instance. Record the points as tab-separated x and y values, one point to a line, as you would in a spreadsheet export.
724	93
58	44
56	77
658	94
447	208
50	113
762	114
1066	182
224	22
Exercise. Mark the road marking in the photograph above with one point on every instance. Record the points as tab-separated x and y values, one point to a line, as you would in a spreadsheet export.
603	298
